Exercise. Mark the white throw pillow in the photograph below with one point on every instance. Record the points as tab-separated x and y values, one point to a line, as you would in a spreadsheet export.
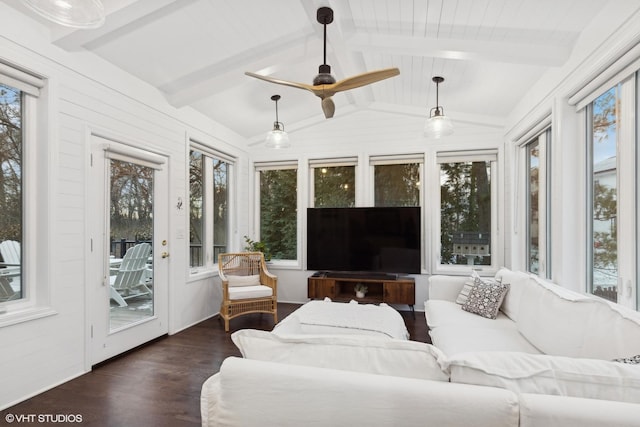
544	374
401	358
485	297
464	292
252	280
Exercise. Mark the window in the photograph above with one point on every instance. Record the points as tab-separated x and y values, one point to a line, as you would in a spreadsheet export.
604	117
467	214
396	180
24	175
11	193
334	183
537	204
209	184
278	205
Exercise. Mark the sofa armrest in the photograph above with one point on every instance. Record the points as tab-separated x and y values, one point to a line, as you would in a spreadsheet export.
446	287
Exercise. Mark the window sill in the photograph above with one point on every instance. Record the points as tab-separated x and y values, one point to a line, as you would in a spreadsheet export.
13	317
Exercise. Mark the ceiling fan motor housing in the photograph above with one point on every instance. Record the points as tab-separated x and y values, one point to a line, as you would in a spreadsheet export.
324	77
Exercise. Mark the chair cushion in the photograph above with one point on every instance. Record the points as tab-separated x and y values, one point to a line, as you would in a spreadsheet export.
252	280
402	358
245	292
446	313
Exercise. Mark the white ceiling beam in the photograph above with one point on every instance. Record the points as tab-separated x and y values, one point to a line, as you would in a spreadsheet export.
218	77
130	14
471	50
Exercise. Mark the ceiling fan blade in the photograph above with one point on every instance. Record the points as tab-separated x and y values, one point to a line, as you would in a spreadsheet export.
328	107
363	79
310	88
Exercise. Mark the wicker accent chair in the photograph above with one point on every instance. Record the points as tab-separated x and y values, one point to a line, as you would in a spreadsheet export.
247	286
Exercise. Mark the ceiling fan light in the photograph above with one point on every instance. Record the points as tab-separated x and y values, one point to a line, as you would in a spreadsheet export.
70	13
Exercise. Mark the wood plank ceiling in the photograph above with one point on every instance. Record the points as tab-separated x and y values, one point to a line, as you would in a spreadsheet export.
196	52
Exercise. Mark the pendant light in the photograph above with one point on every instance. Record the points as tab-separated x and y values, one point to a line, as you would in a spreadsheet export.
70	13
277	138
438	124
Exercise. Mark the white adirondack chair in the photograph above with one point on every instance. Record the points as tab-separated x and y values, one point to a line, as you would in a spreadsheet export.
130	279
6	291
10	252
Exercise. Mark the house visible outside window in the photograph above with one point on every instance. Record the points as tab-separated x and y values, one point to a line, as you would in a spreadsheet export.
210	173
397	180
537	204
467	214
278	209
333	183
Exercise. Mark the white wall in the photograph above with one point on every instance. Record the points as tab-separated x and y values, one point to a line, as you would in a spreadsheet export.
85	94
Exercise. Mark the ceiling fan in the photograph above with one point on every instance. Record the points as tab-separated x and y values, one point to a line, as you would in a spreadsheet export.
324	84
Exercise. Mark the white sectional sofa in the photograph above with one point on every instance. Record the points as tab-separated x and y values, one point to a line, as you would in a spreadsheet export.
546	360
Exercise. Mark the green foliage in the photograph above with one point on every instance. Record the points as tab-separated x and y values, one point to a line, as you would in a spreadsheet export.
334	187
397	185
253	246
278	212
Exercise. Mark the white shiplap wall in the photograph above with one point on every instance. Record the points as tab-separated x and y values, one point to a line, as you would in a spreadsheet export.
84	95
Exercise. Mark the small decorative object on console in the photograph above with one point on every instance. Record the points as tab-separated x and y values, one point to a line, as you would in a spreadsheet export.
361	290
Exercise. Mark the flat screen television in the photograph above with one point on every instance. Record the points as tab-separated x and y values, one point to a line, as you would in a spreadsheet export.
374	239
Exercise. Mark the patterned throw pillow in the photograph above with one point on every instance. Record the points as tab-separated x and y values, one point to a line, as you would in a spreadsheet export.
633	360
485	297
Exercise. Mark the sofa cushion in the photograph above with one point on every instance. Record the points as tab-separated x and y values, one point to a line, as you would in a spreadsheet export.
485	297
373	355
446	313
544	374
517	282
453	340
554	319
258	393
464	292
613	332
253	280
542	410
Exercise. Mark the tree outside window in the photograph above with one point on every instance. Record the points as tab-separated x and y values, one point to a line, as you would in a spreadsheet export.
397	184
11	193
465	213
334	186
279	212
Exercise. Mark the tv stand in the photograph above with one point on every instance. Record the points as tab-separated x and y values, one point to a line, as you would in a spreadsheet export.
382	287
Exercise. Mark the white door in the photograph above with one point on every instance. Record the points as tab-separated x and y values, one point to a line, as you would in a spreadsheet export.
129	250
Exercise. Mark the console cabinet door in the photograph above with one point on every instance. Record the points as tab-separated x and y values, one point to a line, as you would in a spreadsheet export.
400	292
321	288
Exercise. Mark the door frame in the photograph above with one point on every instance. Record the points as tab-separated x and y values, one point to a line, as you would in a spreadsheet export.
101	343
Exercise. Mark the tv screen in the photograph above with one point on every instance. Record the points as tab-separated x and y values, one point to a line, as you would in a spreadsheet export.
374	239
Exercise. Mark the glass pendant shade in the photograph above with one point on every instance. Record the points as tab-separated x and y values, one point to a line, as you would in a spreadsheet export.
277	138
70	13
438	125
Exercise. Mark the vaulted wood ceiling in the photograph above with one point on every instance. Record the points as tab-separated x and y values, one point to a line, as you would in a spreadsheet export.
195	52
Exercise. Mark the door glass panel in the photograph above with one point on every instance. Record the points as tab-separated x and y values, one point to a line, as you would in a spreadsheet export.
131	242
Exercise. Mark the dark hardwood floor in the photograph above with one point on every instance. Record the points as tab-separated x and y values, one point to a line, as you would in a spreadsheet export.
159	383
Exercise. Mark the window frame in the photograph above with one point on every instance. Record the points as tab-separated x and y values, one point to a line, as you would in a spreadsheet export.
36	169
329	163
497	256
210	261
543	137
259	167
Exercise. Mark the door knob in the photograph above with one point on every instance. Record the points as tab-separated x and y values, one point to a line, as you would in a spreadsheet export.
165	254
